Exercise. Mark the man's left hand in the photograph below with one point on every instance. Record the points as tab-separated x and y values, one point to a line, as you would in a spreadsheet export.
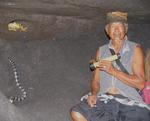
106	66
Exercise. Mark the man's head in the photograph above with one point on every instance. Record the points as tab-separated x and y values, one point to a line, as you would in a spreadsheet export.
117	25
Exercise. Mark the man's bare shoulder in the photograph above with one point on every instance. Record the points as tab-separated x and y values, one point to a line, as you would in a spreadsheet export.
138	53
138	61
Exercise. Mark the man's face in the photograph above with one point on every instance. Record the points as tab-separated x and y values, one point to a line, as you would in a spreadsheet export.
116	31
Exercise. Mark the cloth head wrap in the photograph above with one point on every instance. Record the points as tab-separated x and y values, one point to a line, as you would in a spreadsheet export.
116	17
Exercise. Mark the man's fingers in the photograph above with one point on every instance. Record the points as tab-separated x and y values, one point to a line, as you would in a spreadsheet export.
103	67
92	101
92	104
105	62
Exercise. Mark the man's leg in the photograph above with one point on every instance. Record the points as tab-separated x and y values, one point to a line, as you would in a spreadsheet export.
81	111
134	113
76	116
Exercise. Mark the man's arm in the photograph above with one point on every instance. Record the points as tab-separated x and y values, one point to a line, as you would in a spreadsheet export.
95	84
137	78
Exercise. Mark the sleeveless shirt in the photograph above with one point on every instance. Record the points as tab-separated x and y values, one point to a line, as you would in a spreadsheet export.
107	80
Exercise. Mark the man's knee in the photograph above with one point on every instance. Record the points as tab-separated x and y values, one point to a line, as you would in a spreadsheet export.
77	116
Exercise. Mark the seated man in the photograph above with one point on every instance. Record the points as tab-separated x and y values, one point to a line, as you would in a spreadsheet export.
114	93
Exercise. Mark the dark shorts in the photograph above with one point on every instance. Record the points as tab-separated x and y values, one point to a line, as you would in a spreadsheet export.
111	111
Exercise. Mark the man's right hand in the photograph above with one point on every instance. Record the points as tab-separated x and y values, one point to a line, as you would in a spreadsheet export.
92	99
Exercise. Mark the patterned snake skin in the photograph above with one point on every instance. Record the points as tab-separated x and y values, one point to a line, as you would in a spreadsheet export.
18	84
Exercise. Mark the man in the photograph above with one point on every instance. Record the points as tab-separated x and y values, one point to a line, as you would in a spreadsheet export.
114	93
